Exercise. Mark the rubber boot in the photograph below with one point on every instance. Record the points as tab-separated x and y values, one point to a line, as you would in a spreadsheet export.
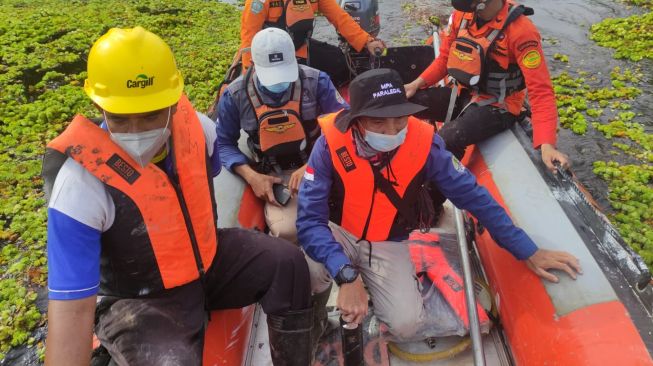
290	338
320	317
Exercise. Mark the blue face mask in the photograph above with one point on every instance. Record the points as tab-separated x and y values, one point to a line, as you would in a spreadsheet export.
385	143
277	88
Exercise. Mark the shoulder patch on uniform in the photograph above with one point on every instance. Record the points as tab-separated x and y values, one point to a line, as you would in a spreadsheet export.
257	6
309	173
345	159
457	164
527	44
123	168
532	59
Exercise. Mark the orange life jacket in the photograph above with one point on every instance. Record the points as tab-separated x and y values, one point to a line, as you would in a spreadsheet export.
164	231
296	18
281	131
469	63
357	204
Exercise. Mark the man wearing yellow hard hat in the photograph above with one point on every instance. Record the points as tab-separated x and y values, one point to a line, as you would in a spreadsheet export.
132	225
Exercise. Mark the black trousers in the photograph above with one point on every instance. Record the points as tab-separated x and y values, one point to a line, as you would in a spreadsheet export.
168	328
473	125
328	58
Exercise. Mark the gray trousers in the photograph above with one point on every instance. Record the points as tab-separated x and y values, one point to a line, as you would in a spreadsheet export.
390	280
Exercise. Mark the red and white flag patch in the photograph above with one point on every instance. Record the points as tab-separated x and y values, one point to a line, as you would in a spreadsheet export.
309	174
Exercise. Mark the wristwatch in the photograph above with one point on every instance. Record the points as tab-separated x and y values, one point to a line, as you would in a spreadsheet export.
347	274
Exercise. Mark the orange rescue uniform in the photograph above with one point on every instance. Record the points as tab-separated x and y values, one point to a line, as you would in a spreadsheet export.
519	44
258	12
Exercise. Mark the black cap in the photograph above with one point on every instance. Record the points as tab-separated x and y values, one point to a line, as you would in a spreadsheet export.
463	5
376	93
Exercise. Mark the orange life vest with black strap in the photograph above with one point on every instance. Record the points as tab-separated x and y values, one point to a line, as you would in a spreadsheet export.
470	65
281	131
164	232
297	19
357	204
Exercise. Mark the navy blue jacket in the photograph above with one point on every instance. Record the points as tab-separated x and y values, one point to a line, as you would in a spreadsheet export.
329	101
453	180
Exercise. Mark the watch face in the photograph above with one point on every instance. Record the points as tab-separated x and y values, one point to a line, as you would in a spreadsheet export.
349	274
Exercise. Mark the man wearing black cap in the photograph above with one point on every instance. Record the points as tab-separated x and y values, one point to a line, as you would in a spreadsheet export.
365	175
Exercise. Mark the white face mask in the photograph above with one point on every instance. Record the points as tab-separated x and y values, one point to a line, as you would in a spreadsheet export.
142	146
385	143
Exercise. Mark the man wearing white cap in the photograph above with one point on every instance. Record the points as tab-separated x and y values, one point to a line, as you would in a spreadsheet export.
276	103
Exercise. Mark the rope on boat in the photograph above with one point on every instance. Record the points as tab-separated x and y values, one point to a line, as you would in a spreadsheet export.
431	356
479	286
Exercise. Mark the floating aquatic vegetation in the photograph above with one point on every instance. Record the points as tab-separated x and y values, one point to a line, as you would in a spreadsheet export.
631	196
43	48
577	100
608	107
630	185
631	37
560	57
648	4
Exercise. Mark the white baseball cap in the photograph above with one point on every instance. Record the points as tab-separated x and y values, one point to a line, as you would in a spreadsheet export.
273	54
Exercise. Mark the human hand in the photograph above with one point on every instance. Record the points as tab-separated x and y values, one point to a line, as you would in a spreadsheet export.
544	260
374	46
412	87
352	301
295	180
262	186
550	155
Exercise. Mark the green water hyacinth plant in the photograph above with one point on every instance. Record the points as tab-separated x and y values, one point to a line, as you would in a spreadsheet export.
43	50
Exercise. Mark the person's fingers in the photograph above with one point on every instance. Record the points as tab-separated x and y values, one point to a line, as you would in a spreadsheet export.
564	161
410	91
565	267
575	263
276	179
546	275
260	193
549	163
347	318
295	181
269	194
361	312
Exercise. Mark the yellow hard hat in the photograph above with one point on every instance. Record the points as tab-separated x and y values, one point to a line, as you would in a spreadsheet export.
132	71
